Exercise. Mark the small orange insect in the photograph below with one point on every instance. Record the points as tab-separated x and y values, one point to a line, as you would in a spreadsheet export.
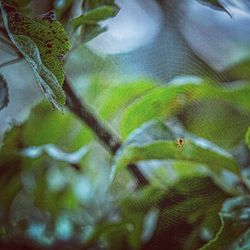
180	143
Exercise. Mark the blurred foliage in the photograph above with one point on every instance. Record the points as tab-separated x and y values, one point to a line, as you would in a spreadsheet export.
94	11
60	189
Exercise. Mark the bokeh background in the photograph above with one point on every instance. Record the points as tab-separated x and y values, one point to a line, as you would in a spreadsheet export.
184	63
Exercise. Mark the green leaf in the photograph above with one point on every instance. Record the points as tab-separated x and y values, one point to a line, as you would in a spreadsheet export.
248	137
94	11
116	98
43	42
223	123
158	146
164	102
235	219
188	207
94	16
4	93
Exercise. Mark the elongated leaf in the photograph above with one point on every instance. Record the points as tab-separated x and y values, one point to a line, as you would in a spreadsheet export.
164	102
235	219
93	13
94	16
4	93
196	150
117	97
43	42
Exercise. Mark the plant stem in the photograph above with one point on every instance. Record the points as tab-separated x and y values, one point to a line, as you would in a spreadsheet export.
111	141
82	111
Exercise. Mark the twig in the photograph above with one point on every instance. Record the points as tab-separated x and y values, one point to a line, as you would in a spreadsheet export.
111	142
82	111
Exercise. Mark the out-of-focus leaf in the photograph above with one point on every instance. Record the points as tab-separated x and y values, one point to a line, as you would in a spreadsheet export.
186	208
245	174
149	132
150	222
135	208
163	102
55	153
63	8
117	97
240	71
43	42
223	124
242	243
196	150
248	137
42	128
4	93
20	5
235	220
113	234
94	12
94	16
143	200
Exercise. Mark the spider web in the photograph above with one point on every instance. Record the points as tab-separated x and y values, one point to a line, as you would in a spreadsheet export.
164	59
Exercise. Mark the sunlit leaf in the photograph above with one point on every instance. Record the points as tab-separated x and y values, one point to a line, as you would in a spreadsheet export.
116	98
164	102
196	150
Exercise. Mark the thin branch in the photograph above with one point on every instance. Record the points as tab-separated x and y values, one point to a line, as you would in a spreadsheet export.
82	111
110	141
